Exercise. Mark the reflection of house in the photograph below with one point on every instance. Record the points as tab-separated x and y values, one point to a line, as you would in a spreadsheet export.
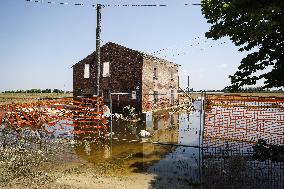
163	126
148	80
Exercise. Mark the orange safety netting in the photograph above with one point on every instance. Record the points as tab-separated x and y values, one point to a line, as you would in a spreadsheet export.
84	115
243	119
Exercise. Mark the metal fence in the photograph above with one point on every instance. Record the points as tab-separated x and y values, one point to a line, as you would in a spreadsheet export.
243	119
232	126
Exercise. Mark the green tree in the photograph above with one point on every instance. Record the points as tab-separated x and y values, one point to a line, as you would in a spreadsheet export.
57	91
46	91
34	91
256	26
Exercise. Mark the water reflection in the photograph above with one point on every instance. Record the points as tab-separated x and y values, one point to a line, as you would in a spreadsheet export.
176	128
167	153
173	153
60	130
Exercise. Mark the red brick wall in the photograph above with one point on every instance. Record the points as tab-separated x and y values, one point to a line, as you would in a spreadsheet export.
163	83
125	75
83	86
129	69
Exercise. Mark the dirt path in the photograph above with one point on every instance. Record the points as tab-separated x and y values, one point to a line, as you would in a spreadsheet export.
79	174
137	181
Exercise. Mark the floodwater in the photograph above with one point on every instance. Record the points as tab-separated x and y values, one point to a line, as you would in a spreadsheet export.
173	153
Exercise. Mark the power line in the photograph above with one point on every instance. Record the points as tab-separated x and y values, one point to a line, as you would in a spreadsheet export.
174	51
107	5
121	5
54	2
180	50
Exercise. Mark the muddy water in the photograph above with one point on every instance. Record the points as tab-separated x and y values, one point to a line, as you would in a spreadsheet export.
171	152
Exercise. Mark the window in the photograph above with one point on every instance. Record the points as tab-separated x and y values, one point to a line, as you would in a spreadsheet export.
172	73
172	97
87	71
155	73
133	95
155	97
106	69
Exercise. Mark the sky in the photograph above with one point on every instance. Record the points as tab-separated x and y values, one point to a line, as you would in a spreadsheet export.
39	42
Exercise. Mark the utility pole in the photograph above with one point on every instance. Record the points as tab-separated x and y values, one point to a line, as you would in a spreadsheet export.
98	47
188	84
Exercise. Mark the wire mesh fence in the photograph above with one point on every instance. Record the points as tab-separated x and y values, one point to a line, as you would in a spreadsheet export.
243	142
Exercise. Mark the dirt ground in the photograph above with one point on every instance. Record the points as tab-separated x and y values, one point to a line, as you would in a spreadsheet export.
87	180
80	175
60	167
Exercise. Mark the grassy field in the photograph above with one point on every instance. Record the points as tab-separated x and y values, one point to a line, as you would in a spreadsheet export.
196	95
8	98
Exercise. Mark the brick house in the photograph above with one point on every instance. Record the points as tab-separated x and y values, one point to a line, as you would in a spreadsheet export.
150	82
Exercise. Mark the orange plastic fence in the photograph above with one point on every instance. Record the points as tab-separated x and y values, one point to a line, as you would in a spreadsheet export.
85	115
243	119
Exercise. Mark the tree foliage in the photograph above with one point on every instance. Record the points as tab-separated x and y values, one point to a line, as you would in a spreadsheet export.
256	26
36	91
57	91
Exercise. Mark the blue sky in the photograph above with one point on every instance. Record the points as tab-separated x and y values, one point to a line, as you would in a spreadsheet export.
40	41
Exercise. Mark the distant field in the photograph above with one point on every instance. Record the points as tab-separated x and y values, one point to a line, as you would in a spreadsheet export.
8	98
195	95
259	94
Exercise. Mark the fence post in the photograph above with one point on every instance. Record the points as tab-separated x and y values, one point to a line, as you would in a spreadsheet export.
110	115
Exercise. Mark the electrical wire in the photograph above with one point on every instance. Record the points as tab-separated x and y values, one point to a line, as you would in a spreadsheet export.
106	5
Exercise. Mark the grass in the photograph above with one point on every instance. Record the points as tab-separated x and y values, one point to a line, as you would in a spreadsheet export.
9	98
267	94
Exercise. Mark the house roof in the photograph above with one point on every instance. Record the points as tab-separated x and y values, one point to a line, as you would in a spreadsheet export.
93	54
